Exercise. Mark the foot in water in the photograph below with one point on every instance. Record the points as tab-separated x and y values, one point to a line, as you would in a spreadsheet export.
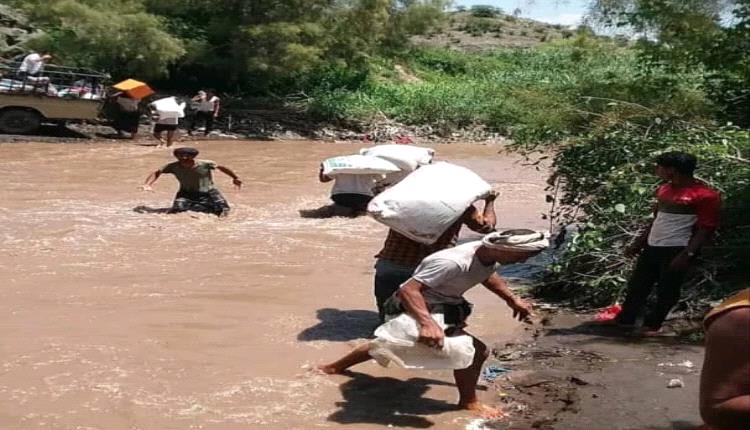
327	369
482	410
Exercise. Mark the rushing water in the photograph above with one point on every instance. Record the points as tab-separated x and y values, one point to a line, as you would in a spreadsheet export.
118	319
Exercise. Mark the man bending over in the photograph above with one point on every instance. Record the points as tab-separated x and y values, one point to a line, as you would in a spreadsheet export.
437	287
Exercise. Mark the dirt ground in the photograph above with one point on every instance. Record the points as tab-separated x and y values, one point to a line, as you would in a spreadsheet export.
117	316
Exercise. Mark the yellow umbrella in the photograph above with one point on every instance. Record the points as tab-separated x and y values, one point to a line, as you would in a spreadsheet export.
135	89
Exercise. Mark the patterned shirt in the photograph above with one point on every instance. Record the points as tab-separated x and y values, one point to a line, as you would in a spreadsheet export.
403	251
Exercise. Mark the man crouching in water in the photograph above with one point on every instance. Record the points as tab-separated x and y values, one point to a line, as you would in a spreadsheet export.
197	191
437	287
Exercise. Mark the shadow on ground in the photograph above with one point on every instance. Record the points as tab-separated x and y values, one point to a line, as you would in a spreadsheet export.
591	331
388	401
48	131
341	326
674	425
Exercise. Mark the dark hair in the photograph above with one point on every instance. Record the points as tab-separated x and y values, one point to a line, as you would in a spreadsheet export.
185	151
682	162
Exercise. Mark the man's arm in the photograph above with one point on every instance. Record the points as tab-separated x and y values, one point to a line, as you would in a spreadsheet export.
217	105
641	240
484	222
497	285
322	177
235	179
430	333
724	394
150	180
701	237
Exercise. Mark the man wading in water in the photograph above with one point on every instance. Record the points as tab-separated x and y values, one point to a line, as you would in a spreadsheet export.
437	287
197	191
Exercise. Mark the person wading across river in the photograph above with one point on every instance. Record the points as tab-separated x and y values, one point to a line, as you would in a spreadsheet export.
400	255
437	287
197	191
686	216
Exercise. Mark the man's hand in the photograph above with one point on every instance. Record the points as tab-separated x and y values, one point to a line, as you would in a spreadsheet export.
490	197
237	183
634	249
145	187
680	263
431	334
521	309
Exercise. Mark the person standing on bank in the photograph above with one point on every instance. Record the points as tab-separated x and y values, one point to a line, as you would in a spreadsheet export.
400	255
197	191
686	217
207	110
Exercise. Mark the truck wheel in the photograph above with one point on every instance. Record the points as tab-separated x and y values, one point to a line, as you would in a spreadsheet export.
19	121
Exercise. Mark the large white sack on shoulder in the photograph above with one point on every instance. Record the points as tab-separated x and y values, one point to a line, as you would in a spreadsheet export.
406	157
167	108
358	165
396	342
428	201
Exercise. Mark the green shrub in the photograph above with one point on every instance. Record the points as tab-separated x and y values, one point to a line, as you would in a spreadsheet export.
485	11
605	186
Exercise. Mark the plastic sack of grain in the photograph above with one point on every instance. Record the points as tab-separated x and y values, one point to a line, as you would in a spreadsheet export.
428	201
406	157
169	108
358	165
396	342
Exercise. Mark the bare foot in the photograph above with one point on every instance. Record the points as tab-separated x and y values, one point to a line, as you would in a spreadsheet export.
484	411
327	369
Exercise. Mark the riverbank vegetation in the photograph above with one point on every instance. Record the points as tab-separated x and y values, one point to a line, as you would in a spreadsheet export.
602	106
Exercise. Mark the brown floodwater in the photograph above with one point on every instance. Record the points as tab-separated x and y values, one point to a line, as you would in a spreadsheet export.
115	319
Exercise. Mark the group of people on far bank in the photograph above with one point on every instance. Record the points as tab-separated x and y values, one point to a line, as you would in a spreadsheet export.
205	107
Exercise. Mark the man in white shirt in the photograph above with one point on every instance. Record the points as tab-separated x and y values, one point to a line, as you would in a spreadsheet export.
350	193
207	110
437	287
32	65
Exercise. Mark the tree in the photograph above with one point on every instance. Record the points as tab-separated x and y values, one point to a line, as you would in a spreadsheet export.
118	36
685	34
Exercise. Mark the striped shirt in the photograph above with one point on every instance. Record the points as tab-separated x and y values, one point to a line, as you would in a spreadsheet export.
680	210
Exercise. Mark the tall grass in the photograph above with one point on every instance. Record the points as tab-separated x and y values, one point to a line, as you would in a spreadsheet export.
553	91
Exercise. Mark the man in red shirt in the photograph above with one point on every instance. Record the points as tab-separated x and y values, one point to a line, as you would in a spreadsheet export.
686	217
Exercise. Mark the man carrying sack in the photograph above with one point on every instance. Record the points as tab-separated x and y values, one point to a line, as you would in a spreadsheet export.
432	299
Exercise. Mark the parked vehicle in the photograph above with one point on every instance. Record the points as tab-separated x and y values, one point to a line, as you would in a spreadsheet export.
58	95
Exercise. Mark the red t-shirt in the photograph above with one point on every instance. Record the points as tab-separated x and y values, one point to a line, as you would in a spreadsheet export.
682	209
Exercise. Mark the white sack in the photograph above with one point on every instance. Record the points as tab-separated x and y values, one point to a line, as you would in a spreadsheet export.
396	342
358	165
428	201
169	108
406	157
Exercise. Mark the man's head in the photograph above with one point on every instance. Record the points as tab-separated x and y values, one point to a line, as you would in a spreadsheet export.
513	246
185	155
670	165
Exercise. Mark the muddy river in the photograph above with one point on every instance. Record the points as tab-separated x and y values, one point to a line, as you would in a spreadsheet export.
114	318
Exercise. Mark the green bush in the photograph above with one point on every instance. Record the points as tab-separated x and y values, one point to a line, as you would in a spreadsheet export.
485	11
604	185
